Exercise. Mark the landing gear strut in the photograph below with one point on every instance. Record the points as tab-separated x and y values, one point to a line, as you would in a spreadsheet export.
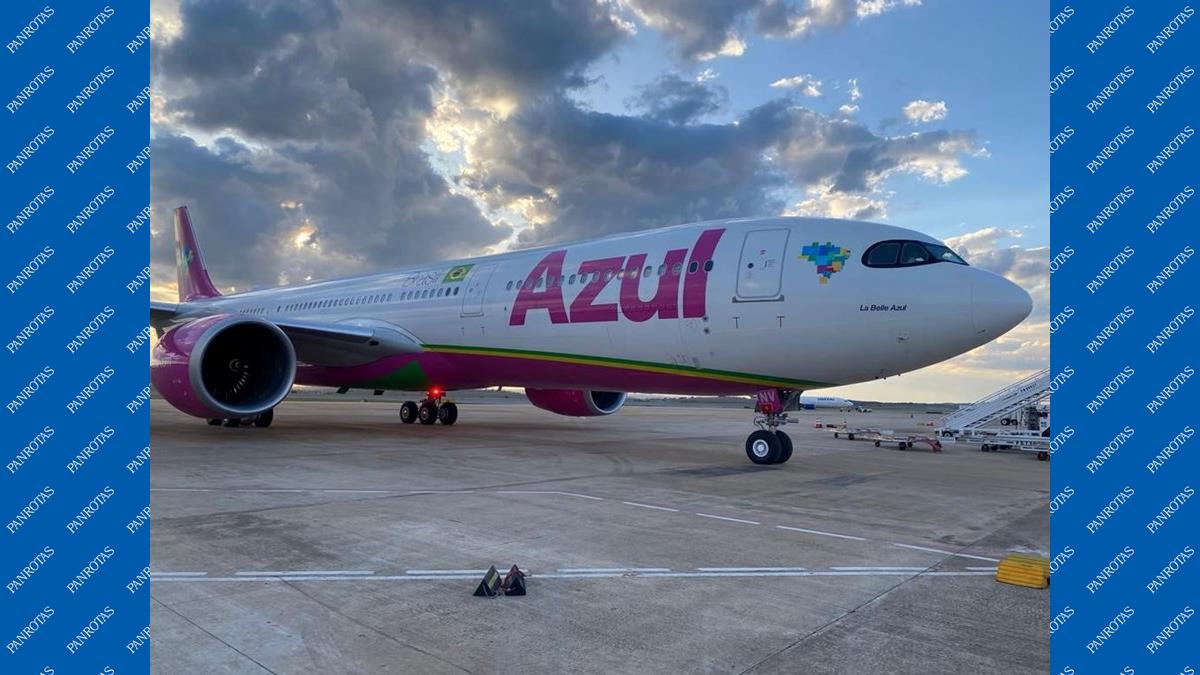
433	409
770	445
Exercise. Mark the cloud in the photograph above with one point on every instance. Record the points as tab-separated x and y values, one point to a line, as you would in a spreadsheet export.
705	29
362	212
875	7
301	105
673	99
922	111
582	173
823	202
805	84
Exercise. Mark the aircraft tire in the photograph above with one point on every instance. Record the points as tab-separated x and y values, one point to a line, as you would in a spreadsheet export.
427	413
785	447
408	412
215	422
763	447
264	419
447	413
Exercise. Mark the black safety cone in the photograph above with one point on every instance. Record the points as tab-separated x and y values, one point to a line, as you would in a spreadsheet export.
514	582
490	586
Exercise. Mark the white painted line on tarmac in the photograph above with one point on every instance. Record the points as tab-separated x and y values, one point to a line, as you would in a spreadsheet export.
820	532
311	573
276	490
751	569
353	491
989	569
651	506
548	492
586	575
732	520
957	574
612	570
178	574
936	550
445	571
894	568
440	492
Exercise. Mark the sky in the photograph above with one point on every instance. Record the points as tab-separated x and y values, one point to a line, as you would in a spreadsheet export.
314	139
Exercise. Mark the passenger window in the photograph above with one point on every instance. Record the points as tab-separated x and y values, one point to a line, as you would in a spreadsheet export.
661	269
572	280
913	254
676	269
884	255
648	271
693	266
708	265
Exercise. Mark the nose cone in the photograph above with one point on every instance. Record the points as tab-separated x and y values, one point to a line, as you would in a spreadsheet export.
997	304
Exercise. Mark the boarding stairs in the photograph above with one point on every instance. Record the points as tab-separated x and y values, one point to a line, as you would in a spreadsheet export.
981	421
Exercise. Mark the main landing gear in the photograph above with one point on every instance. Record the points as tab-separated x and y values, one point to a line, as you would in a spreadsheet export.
433	409
770	445
261	420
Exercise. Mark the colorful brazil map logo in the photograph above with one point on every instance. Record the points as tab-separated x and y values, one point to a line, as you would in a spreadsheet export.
827	257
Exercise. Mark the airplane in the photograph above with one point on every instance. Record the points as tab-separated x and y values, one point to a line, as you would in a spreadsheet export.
814	402
768	307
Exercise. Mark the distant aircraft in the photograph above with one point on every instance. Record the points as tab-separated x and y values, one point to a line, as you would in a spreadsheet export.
814	402
769	307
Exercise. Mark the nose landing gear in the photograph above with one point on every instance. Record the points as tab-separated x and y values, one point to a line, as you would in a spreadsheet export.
433	409
770	445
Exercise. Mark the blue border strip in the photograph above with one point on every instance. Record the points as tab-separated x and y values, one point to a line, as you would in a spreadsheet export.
1124	515
74	256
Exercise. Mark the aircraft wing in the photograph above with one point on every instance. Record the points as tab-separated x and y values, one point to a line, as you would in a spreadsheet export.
162	314
320	343
347	344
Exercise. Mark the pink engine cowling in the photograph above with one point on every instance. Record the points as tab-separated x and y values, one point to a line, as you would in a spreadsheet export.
224	366
577	402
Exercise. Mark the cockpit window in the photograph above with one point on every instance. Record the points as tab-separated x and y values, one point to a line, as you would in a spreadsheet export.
883	255
942	253
913	254
896	253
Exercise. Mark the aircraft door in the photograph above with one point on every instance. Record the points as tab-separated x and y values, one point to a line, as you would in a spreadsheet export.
475	289
760	270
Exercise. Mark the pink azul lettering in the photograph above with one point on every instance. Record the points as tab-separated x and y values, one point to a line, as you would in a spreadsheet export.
543	287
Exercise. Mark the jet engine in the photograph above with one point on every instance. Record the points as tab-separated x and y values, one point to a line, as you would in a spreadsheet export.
577	402
224	366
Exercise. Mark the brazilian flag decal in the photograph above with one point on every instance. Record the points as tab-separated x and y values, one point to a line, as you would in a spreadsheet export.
457	274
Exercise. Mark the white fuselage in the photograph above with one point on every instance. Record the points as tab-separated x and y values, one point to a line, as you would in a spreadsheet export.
772	304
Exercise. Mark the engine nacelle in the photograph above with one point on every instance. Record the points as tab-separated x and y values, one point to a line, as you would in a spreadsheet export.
224	366
577	402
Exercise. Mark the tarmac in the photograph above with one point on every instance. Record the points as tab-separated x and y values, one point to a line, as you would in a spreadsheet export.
342	541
